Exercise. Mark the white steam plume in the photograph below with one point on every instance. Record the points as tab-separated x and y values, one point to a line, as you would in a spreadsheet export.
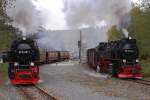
24	16
92	12
125	32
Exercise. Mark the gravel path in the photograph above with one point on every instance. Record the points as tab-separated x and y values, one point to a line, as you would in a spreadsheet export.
9	92
71	81
34	93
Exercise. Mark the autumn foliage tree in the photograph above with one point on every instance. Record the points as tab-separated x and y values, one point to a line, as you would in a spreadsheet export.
113	34
140	29
6	30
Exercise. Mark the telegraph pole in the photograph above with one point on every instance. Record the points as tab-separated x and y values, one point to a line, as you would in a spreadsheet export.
80	46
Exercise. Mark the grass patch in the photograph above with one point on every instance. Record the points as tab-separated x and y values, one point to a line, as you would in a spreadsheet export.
146	67
3	73
3	69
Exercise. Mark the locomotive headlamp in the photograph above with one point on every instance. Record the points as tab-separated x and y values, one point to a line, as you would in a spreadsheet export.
16	64
24	38
130	38
32	64
110	64
1	60
124	60
137	60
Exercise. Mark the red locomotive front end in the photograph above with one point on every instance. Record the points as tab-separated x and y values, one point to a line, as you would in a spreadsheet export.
130	71
24	74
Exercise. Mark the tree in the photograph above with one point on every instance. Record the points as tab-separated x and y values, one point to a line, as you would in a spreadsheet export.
113	34
140	29
6	30
145	3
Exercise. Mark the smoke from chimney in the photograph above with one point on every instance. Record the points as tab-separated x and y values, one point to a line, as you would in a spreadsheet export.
78	13
24	16
125	32
92	12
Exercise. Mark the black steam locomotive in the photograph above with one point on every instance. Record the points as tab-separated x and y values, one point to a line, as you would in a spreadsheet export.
23	55
119	58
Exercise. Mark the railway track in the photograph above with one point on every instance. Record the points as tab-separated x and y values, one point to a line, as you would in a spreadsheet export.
140	81
35	93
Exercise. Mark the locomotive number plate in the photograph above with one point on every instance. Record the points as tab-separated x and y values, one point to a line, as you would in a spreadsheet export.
24	76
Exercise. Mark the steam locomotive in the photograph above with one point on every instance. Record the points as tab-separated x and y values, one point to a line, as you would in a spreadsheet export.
23	57
119	58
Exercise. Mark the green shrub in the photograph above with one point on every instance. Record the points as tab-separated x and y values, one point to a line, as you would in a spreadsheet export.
146	67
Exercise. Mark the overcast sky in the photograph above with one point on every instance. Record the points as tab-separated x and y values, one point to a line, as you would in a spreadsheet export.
53	10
